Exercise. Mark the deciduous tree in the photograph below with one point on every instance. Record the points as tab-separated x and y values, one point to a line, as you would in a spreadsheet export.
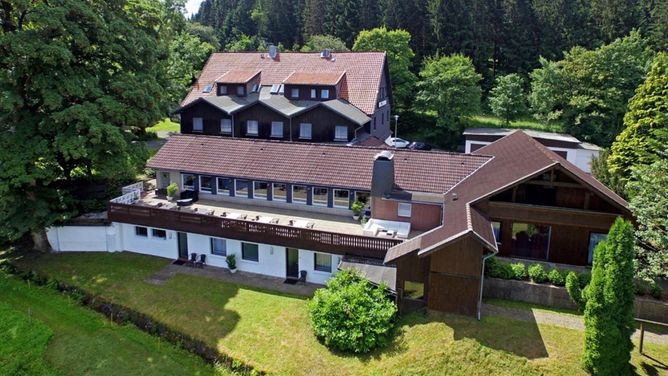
507	99
317	43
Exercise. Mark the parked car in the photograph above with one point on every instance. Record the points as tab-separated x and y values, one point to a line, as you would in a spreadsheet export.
397	142
419	146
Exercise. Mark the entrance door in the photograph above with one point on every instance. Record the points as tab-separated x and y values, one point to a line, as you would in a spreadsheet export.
183	245
292	262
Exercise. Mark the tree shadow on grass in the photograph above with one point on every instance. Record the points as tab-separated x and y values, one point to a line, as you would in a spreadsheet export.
652	366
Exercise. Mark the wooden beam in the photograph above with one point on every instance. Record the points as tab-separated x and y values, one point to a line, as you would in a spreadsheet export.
550	215
555	184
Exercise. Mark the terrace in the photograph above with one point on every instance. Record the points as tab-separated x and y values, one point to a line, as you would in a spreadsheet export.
251	222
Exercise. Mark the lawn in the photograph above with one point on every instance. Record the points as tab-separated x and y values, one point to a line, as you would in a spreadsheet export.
527	122
272	332
63	338
165	125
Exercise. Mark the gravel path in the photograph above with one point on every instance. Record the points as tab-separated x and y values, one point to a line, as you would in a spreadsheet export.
563	320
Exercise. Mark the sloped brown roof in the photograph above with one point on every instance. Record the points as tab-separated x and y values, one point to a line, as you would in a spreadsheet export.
515	158
237	76
313	164
363	71
314	78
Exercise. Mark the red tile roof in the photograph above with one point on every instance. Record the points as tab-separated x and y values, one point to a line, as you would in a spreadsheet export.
313	164
314	78
363	72
516	157
237	76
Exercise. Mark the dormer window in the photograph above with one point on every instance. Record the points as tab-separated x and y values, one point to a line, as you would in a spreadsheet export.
294	93
226	126
340	133
241	90
251	128
198	124
314	93
324	93
222	90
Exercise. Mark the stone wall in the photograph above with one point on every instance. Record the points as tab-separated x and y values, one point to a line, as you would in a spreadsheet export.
557	297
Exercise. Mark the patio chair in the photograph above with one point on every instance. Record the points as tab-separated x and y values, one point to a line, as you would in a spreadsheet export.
201	262
192	260
302	276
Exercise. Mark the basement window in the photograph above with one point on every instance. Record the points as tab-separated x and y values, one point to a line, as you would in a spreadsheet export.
157	233
141	231
250	252
322	262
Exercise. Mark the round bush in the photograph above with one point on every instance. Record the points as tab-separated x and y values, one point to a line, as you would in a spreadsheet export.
556	277
519	271
537	273
351	314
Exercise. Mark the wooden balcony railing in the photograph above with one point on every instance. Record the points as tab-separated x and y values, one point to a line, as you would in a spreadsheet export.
287	236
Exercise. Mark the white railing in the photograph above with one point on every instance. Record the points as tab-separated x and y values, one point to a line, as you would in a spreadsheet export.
138	186
128	198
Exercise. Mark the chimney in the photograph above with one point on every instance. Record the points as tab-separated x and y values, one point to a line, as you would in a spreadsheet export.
382	180
273	52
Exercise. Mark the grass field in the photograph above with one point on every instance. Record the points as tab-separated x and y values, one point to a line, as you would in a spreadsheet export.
527	122
165	125
272	331
63	338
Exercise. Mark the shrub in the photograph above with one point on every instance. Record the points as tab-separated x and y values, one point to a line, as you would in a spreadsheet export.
655	290
537	273
574	290
496	269
350	314
556	277
583	279
519	270
231	261
172	190
357	207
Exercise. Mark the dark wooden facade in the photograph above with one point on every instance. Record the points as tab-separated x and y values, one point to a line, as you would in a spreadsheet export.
264	116
288	236
324	123
305	92
210	115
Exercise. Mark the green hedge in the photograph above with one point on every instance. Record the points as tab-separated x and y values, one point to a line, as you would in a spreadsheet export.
534	272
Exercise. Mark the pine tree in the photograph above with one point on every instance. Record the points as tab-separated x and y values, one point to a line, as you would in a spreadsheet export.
609	308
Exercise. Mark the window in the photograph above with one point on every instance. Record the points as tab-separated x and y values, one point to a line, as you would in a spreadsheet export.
260	189
226	126
224	186
141	231
241	90
205	184
404	209
324	93
198	124
294	93
207	88
305	131
413	290
222	90
496	228
218	247
320	196
255	88
189	182
157	233
362	196
341	133
251	128
281	89
274	88
279	192
249	252
530	240
276	129
341	198
299	194
314	93
322	262
241	188
594	239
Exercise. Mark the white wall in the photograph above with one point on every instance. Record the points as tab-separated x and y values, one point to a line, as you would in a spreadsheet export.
307	261
82	238
148	245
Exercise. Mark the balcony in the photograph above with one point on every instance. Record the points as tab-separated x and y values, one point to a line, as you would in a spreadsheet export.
255	223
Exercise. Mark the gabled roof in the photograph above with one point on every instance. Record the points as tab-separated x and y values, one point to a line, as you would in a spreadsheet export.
515	158
313	164
363	71
314	78
237	76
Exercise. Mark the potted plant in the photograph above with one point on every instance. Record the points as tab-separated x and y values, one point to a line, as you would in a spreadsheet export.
231	263
357	209
172	191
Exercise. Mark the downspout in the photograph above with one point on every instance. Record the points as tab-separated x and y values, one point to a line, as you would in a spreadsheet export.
357	129
290	130
233	124
482	279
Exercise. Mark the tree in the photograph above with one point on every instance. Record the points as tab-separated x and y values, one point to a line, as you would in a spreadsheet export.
645	135
600	168
508	100
595	87
648	189
187	55
317	43
609	309
547	95
78	80
450	88
350	314
246	43
399	57
615	18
